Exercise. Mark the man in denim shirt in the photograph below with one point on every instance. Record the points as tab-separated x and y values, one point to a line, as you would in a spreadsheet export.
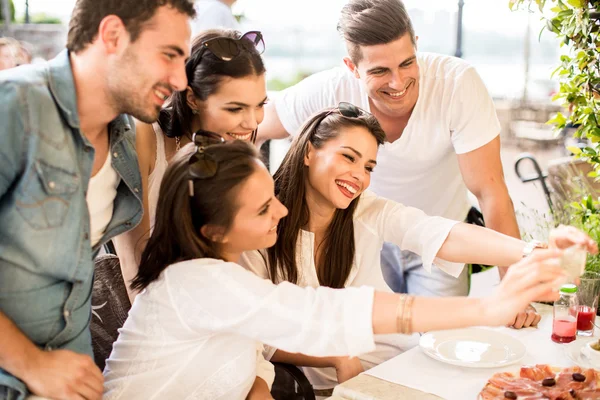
65	138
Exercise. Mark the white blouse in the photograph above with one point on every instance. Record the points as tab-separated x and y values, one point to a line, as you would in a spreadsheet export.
376	220
194	333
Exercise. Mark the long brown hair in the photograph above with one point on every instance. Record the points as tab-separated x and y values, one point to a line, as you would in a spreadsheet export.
290	187
179	216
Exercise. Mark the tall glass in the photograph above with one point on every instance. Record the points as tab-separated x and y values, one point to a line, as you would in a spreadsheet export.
587	293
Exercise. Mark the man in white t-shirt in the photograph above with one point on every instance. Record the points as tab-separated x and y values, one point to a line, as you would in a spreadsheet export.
213	14
441	127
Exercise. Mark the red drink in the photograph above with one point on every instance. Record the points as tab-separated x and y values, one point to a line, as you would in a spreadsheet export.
585	318
564	330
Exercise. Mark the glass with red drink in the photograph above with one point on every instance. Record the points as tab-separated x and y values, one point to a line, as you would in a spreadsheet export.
587	296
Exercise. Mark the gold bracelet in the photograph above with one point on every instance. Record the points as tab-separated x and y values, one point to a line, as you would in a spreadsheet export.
400	313
407	315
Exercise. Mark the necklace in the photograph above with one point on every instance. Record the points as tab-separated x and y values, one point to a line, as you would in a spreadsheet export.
177	143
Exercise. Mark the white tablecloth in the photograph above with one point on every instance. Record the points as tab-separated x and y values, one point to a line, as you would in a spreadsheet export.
416	370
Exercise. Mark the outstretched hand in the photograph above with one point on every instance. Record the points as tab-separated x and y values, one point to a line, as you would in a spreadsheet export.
534	278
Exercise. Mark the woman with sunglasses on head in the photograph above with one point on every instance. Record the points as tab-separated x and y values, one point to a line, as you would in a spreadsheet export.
335	230
226	94
194	330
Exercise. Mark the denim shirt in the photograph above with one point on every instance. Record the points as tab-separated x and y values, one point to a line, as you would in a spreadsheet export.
46	257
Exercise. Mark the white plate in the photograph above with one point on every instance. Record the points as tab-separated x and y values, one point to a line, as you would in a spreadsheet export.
573	351
473	347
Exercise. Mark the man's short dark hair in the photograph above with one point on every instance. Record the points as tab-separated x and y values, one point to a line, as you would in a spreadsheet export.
373	22
88	14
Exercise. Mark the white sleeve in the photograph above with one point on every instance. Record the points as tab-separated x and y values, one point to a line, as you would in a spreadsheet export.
224	297
255	261
297	103
473	119
264	368
410	229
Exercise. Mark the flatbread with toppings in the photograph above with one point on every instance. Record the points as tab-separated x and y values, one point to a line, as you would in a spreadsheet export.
543	382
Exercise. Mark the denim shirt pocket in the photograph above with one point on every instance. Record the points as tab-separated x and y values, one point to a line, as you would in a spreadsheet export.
46	195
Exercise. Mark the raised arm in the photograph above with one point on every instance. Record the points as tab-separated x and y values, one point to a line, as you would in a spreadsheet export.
344	321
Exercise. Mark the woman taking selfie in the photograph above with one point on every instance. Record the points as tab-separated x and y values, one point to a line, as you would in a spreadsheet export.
336	228
195	327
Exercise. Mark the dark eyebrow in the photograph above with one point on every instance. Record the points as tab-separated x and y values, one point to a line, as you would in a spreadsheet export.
237	103
264	205
176	49
403	63
358	153
409	59
371	70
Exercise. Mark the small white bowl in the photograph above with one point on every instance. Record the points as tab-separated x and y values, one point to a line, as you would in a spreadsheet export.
592	355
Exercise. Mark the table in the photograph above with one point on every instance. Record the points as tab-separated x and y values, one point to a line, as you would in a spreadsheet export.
373	385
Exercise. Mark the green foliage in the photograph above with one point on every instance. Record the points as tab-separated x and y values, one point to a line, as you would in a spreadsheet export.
585	215
575	22
42	18
278	85
11	5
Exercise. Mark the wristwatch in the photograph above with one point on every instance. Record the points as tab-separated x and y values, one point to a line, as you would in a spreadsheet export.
531	246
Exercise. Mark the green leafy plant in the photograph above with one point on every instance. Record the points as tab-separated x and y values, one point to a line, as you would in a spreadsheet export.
576	23
586	216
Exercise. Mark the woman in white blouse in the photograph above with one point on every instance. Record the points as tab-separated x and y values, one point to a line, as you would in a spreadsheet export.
335	229
195	331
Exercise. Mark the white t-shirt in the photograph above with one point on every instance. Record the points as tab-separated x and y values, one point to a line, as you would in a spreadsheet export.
195	333
100	198
376	219
212	14
454	114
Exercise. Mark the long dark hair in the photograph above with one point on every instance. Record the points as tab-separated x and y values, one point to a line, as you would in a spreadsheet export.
337	256
179	216
205	72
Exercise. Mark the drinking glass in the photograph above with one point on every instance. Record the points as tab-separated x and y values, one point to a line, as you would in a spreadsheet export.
587	293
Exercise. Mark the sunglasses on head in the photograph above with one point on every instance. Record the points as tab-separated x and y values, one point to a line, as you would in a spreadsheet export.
345	109
201	164
226	49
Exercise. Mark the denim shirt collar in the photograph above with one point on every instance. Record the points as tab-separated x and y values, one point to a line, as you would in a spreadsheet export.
62	87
